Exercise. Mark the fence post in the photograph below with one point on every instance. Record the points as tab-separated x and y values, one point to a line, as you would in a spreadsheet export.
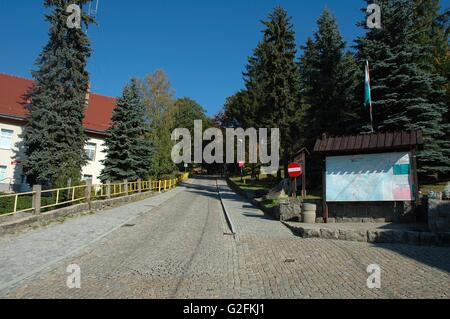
89	193
139	185
108	189
165	184
150	187
37	199
160	184
126	187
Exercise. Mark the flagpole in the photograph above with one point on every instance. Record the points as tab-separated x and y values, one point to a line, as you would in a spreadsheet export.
368	96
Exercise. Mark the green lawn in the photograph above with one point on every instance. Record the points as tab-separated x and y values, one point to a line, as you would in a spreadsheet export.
438	187
268	184
254	185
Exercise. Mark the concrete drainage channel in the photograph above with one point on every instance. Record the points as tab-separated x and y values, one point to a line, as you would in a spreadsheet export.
227	215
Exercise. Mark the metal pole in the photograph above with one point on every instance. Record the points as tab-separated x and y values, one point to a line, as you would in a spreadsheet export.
294	187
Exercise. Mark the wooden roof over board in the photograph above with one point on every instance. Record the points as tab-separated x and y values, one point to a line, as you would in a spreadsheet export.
377	142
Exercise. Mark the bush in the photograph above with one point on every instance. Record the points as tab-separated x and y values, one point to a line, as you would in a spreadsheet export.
23	202
7	204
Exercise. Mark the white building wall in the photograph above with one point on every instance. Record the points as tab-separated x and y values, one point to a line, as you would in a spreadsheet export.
94	168
10	154
14	173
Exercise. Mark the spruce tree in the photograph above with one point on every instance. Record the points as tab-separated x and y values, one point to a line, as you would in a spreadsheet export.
279	80
329	80
407	92
128	150
433	24
54	138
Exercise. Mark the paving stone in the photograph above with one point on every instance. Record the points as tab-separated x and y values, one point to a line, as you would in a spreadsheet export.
329	233
353	235
179	250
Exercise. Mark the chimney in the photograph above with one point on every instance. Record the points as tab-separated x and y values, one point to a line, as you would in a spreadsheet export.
88	94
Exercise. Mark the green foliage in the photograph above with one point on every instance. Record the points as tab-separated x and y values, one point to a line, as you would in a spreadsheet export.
54	140
159	102
186	112
128	150
281	80
407	93
23	202
271	98
329	79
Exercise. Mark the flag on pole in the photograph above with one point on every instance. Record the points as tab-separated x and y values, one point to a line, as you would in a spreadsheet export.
368	93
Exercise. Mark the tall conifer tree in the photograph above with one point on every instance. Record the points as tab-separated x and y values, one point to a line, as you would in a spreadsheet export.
128	150
407	91
279	79
329	80
54	139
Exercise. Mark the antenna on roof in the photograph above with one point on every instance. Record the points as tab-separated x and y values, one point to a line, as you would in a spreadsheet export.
93	8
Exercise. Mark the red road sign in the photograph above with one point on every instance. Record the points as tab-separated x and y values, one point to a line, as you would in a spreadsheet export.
295	170
241	164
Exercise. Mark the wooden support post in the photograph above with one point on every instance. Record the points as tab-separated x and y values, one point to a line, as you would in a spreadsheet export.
159	186
108	189
126	187
417	200
415	177
304	175
89	193
324	192
37	189
139	184
165	184
150	185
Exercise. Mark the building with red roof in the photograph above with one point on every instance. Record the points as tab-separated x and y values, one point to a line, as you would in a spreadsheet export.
14	108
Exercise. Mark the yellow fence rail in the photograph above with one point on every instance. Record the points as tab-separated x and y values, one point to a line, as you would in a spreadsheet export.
39	199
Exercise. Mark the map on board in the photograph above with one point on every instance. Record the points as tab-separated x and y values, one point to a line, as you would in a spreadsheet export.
369	178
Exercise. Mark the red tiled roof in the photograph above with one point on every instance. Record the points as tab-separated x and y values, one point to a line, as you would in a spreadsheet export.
13	103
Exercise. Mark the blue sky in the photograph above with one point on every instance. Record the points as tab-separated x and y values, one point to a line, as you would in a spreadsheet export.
202	45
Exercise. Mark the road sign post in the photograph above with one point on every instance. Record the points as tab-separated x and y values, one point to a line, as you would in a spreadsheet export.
241	166
294	171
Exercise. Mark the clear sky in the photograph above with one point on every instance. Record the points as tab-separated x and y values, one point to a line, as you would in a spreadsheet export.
203	45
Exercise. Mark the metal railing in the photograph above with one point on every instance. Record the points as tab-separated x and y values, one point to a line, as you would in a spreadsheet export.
38	199
15	200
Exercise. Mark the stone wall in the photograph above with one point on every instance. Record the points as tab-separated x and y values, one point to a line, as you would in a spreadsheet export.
288	210
396	212
367	212
439	216
31	220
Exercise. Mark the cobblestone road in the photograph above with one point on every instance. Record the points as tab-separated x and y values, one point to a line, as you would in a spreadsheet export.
182	249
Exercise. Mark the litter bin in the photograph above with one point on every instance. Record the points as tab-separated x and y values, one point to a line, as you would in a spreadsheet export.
308	213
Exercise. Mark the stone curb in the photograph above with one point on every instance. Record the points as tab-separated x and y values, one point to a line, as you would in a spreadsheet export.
247	196
227	215
376	236
72	211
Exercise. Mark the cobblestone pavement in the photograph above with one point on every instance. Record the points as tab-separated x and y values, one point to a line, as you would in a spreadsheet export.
182	249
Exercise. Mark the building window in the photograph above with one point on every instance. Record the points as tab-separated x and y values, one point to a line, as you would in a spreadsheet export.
2	174
6	139
87	178
91	148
